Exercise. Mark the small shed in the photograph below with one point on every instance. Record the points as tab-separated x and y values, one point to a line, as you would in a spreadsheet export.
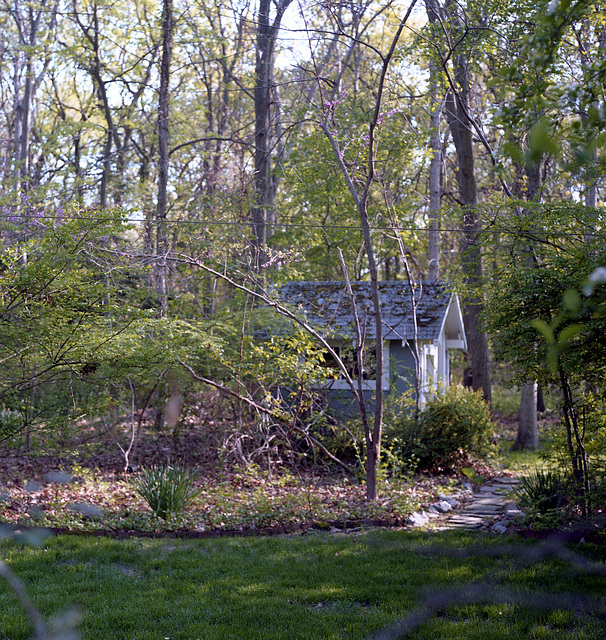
439	329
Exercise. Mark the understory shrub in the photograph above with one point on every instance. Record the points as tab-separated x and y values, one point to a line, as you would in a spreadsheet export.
544	496
543	491
11	423
167	489
591	416
454	423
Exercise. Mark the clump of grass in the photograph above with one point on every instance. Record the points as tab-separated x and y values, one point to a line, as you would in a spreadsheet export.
167	489
543	491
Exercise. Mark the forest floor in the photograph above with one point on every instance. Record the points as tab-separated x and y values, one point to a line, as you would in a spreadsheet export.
83	487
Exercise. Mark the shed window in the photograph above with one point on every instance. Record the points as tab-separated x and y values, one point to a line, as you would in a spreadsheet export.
349	357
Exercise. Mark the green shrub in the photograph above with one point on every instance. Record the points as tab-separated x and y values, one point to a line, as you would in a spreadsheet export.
543	491
167	489
11	422
454	423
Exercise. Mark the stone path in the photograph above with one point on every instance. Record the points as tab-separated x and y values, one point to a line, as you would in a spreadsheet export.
490	507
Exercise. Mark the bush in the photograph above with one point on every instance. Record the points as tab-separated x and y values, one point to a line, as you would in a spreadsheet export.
166	489
454	423
11	423
543	491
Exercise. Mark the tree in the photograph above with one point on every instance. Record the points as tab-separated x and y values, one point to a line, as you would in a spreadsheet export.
435	167
549	298
360	199
163	138
457	110
533	128
33	26
267	123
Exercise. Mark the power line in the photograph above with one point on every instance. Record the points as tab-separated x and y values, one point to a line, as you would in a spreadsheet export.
295	225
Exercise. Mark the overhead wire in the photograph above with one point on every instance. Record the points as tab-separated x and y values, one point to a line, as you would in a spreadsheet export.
295	225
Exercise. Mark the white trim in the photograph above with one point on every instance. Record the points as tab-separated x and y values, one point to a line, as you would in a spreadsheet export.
454	307
429	370
458	343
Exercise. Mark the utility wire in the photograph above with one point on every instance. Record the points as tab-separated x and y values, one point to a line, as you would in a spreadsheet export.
21	219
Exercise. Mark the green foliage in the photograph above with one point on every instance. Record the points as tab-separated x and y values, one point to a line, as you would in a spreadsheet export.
549	321
543	103
544	496
455	422
546	301
591	417
543	491
473	477
167	489
77	336
11	422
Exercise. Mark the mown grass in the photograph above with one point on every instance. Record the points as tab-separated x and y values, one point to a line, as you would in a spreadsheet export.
317	586
522	462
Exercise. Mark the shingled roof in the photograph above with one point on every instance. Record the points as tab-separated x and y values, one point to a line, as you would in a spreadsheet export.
327	305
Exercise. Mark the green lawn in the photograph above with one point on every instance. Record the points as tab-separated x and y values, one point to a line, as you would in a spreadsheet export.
305	587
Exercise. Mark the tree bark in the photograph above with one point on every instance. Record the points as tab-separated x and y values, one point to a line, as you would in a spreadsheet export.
528	435
28	22
435	175
528	430
435	166
163	136
457	110
262	211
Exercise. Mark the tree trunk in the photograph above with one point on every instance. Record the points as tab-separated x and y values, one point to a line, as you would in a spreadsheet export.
163	133
457	110
528	435
30	22
528	431
435	166
372	436
265	192
26	127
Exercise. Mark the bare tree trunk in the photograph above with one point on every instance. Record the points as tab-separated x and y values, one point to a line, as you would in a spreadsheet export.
163	134
457	110
435	166
528	435
372	436
435	175
262	210
29	22
591	187
26	126
528	430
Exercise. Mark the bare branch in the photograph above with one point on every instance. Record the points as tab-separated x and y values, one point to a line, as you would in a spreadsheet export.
277	415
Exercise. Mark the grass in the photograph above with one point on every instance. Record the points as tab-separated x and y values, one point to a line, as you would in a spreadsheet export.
524	462
166	488
307	587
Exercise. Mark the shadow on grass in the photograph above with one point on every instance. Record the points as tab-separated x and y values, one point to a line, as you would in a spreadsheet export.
379	584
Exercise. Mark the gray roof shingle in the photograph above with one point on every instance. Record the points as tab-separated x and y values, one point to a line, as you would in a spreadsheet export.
327	305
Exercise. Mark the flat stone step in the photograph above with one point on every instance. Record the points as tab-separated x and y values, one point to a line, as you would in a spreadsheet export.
484	508
480	509
464	525
496	490
489	500
463	519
